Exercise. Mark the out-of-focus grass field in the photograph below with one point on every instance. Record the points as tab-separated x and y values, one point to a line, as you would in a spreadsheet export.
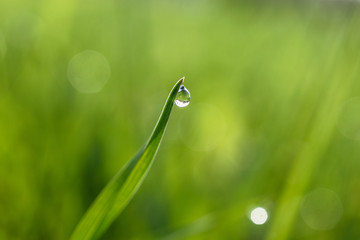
274	119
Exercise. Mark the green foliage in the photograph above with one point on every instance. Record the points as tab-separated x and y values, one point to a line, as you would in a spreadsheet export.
119	191
274	116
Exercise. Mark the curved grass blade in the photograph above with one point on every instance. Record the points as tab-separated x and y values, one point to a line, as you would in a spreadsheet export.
122	187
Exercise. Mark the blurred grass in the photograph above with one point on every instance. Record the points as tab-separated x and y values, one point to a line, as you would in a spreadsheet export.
268	81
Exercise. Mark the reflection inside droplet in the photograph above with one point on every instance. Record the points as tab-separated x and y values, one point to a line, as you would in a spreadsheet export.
182	97
259	216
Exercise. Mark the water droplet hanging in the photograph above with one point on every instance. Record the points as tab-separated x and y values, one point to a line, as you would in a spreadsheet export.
182	97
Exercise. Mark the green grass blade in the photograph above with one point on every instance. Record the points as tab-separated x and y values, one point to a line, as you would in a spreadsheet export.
119	191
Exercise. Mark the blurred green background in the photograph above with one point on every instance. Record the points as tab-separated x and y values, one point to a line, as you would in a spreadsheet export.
274	120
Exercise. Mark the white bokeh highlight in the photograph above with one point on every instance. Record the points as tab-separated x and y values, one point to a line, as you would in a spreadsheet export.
259	216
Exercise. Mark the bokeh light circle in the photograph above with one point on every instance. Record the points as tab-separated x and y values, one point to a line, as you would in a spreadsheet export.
321	209
349	121
259	216
88	71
